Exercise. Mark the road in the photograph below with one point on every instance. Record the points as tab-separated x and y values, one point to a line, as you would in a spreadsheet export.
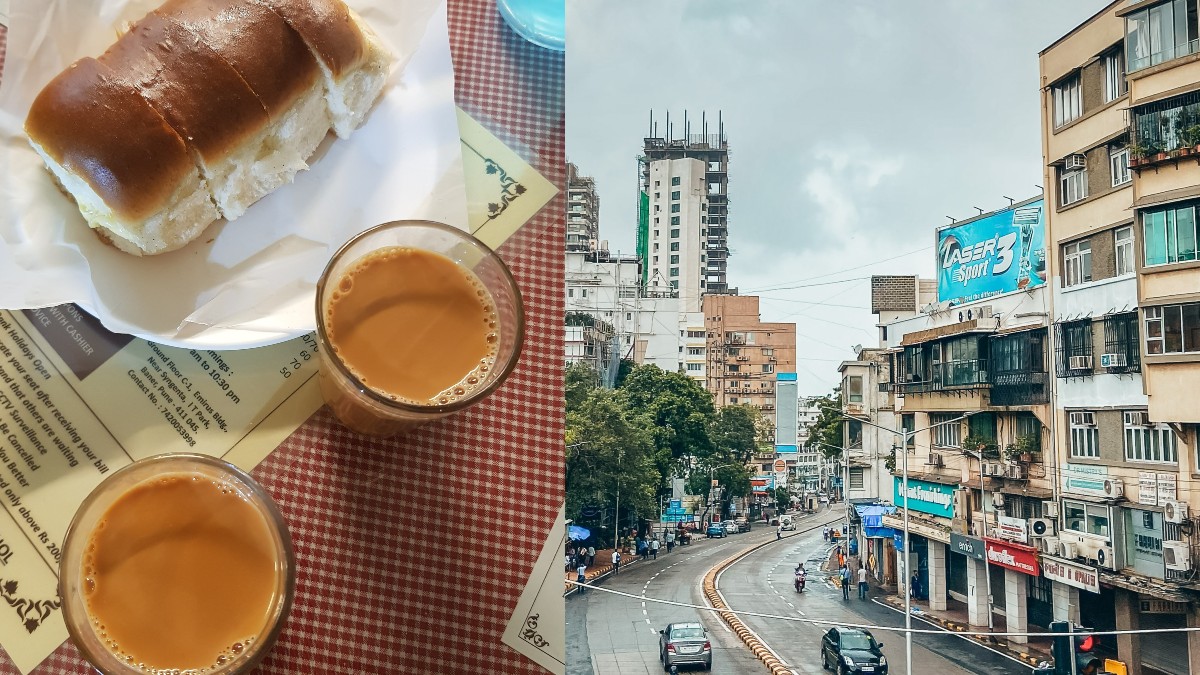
762	582
610	634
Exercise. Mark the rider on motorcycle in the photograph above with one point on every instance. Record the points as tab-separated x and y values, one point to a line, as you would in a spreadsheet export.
801	576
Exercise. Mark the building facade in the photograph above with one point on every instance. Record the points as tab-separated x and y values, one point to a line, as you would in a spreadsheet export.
1120	125
583	211
745	354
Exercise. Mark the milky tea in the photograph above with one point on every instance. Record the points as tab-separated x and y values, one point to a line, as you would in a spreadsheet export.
410	335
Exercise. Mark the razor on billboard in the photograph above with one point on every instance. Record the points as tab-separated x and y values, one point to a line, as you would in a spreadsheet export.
998	253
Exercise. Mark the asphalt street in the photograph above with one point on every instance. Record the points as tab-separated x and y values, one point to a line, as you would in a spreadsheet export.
763	582
610	634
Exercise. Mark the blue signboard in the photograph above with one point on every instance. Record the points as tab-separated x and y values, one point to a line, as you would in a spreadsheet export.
998	253
787	449
927	497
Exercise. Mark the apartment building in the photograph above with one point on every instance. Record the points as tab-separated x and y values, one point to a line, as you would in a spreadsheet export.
971	381
809	460
744	354
583	211
1120	125
610	317
867	446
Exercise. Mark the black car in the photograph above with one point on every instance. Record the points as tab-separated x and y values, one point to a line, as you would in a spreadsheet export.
852	651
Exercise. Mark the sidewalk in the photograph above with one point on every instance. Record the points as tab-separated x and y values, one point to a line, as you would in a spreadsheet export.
954	618
602	567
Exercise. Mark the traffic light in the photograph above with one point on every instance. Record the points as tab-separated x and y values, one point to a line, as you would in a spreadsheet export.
1075	646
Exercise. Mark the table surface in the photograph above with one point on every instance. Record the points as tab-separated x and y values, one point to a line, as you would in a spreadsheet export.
412	553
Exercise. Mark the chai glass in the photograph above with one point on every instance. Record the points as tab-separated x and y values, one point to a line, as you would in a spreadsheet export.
352	390
85	627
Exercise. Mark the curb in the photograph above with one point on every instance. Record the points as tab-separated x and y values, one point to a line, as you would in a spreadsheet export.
772	662
987	641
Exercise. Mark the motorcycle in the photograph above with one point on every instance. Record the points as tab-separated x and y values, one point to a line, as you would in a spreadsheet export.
800	581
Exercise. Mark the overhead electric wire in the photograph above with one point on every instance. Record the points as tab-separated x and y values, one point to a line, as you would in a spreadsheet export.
848	269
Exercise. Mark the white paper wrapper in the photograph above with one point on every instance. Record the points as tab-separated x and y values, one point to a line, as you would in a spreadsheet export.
241	284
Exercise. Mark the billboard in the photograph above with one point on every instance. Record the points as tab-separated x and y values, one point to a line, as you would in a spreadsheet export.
999	253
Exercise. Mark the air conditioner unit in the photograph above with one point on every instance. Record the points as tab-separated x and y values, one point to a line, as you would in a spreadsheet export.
1050	545
1175	512
998	500
1050	509
985	469
934	459
1113	361
1074	162
1068	550
1081	362
985	312
1014	471
1042	527
1114	488
743	358
1177	556
1106	557
1083	419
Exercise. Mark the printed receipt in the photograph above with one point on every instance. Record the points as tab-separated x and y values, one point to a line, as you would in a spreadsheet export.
78	402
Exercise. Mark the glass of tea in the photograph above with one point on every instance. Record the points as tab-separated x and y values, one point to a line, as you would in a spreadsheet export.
176	563
416	320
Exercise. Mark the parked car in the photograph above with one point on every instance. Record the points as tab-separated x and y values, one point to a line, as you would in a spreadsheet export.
787	523
731	527
743	525
852	651
684	644
715	530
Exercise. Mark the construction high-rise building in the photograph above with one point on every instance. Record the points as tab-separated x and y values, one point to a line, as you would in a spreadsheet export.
683	203
583	211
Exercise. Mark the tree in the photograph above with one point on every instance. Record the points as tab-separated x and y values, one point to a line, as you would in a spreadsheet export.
734	433
782	499
678	411
826	432
581	380
609	449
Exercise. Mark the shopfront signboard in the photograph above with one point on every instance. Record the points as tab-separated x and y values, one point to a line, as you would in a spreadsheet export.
1013	529
1144	538
1016	557
1071	574
968	546
1085	479
926	497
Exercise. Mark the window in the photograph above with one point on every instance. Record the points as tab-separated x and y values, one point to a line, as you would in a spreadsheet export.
674	208
768	351
674	260
1169	235
674	220
1160	33
674	246
733	384
674	284
695	366
1026	425
946	434
854	389
583	292
1085	435
1121	343
675	195
655	259
629	316
1077	263
656	248
674	180
768	367
1072	186
1145	442
675	234
908	422
658	195
655	234
1115	85
735	368
1173	329
674	271
1119	163
1123	246
1039	589
854	430
1073	348
1068	104
856	478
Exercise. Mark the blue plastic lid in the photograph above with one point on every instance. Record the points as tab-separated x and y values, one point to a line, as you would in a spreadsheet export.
542	22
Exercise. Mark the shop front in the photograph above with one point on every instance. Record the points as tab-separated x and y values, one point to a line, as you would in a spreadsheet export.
1021	576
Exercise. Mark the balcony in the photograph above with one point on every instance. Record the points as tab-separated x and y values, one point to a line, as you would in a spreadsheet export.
1020	388
945	377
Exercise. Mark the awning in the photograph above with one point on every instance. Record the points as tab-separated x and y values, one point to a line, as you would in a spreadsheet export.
872	519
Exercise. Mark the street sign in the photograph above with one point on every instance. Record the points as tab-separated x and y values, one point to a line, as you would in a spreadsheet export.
780	466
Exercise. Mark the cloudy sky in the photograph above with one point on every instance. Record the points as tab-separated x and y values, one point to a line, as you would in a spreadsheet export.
855	128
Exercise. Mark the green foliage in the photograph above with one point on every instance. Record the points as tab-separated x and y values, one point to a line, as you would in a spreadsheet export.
826	432
581	380
782	499
983	445
626	366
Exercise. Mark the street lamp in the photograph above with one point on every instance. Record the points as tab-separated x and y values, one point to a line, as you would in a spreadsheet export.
905	434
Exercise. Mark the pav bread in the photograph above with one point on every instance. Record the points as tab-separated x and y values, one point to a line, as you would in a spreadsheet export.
202	108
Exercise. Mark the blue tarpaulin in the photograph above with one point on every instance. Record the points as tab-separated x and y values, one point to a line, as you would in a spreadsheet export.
872	519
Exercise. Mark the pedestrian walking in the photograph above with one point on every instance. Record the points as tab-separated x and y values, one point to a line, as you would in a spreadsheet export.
825	534
591	556
779	532
616	561
654	548
845	582
582	578
670	540
914	586
862	583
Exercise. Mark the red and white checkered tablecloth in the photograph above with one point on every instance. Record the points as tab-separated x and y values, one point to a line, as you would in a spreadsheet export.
412	553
